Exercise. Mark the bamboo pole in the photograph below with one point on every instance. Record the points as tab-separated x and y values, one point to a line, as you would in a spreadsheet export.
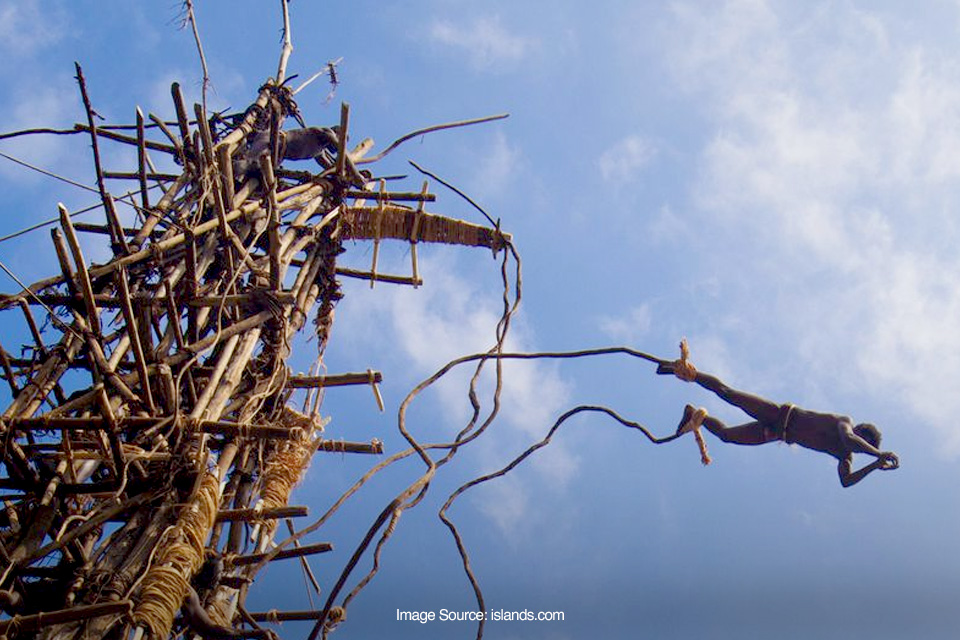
34	331
8	372
86	286
216	250
134	334
249	515
340	446
142	161
19	624
299	552
337	380
286	616
181	111
131	140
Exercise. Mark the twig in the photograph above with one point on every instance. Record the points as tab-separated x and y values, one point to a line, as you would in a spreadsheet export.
86	284
304	562
98	167
192	19
461	548
287	43
439	127
276	513
299	552
104	132
50	221
331	69
142	161
39	130
131	140
53	316
44	619
49	174
456	191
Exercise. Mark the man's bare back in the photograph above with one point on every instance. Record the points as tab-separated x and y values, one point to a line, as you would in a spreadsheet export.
833	434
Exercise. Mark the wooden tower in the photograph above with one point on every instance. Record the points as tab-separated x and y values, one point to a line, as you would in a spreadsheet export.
160	432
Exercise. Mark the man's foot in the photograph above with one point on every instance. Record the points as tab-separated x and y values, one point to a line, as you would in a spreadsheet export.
687	417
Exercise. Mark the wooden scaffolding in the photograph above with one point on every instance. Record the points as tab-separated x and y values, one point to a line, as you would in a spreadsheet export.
156	430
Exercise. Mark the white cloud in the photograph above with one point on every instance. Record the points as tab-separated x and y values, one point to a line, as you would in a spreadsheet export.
486	42
630	327
497	167
226	89
624	161
505	502
668	225
25	27
451	316
832	180
54	105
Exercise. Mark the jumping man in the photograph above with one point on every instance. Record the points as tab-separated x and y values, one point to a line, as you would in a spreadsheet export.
826	432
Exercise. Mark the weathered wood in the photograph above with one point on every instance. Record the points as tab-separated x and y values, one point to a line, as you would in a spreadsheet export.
299	552
379	277
83	276
46	619
361	223
108	204
136	341
181	111
336	380
142	162
248	515
141	178
340	446
94	522
286	616
8	372
34	331
170	381
119	137
392	196
107	301
118	240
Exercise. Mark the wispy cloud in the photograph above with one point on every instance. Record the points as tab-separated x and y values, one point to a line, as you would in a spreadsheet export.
506	503
26	27
451	316
53	104
624	161
497	168
668	226
831	180
630	327
488	45
226	88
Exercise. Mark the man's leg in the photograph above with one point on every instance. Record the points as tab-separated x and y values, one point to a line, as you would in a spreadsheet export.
750	433
756	407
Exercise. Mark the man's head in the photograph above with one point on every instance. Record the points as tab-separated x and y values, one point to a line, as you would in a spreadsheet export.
869	433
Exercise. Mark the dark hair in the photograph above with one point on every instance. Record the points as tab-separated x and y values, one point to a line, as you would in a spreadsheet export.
869	433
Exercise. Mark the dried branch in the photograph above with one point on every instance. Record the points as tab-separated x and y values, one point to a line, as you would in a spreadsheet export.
456	191
192	19
287	43
50	174
439	127
98	167
331	70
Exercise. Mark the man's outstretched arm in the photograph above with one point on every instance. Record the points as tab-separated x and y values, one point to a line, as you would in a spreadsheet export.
849	477
856	444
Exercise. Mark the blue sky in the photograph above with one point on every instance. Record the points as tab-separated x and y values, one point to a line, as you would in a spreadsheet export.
776	181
